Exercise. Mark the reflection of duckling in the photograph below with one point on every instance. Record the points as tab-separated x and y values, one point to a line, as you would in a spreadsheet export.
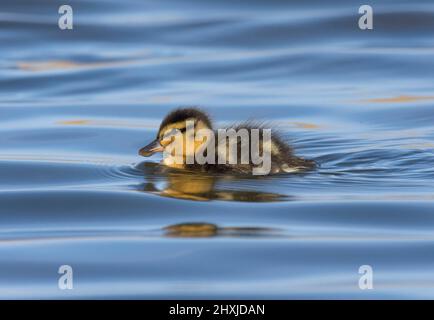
206	230
176	122
170	183
198	188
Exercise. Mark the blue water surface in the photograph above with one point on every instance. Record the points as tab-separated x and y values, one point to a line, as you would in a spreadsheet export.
76	105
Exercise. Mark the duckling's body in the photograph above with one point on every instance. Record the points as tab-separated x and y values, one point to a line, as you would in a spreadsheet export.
281	156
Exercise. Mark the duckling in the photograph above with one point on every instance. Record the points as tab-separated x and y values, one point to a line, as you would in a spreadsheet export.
182	127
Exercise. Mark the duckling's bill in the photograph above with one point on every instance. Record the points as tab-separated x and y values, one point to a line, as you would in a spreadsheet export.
151	148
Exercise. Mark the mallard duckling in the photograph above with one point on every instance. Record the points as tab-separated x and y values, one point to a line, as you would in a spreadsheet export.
178	138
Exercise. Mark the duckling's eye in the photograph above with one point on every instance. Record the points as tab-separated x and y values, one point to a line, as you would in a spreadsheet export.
183	129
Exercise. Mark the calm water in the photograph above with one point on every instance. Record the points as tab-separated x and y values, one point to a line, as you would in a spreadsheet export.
75	106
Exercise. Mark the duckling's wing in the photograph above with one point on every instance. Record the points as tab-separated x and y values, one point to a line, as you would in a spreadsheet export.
282	154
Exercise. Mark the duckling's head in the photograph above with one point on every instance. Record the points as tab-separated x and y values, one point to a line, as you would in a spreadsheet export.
175	124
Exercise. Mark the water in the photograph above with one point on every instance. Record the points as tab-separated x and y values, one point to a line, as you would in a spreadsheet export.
75	106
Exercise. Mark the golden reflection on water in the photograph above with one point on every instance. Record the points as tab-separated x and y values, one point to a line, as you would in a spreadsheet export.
48	65
399	99
207	230
306	125
41	66
196	186
109	123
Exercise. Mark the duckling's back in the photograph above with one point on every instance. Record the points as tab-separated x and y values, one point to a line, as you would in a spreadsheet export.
281	159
